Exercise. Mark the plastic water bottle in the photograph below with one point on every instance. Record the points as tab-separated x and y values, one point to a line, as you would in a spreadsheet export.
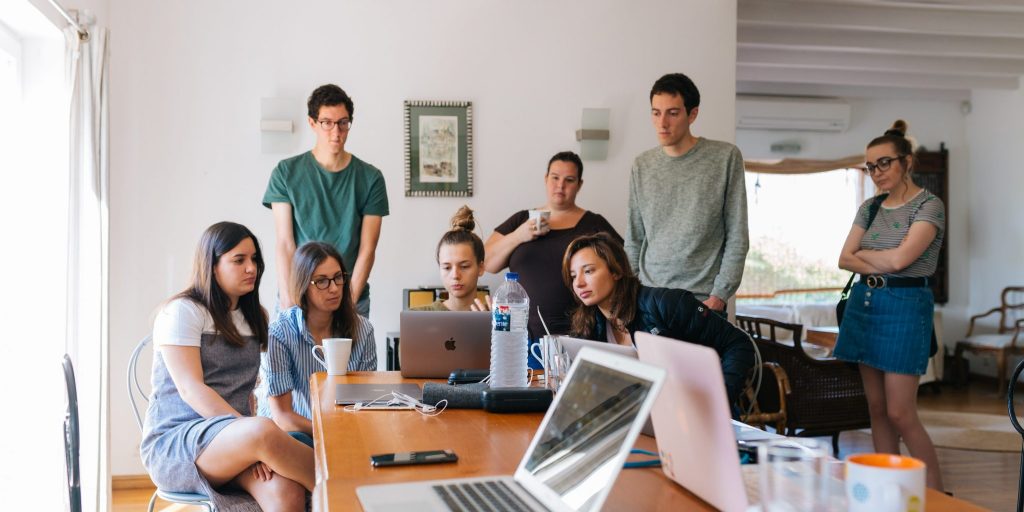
509	316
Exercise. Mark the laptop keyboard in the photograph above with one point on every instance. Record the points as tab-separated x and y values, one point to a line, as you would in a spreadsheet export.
481	496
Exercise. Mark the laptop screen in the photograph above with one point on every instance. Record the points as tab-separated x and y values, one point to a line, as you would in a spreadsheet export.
575	455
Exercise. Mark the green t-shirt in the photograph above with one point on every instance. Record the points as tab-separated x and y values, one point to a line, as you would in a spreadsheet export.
328	206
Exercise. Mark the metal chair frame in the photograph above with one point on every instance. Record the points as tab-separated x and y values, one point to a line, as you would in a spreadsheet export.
135	391
72	439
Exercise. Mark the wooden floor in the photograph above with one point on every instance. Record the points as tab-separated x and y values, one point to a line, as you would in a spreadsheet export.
988	479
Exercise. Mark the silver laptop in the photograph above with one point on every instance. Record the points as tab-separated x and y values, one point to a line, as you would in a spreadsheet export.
348	394
692	422
433	343
573	459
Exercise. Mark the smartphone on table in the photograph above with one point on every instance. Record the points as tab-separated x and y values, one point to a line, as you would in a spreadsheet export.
408	458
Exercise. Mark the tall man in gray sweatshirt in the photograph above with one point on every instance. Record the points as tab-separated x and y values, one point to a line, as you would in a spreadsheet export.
687	203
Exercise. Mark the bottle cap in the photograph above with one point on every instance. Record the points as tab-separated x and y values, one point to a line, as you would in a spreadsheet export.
511	276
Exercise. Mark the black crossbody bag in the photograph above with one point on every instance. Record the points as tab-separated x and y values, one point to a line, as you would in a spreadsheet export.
841	306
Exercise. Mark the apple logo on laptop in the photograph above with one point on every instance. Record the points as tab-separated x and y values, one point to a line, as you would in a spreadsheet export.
449	344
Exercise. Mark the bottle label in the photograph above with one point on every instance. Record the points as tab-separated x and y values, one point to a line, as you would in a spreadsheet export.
502	320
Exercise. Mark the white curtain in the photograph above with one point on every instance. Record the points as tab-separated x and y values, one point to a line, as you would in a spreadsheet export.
87	326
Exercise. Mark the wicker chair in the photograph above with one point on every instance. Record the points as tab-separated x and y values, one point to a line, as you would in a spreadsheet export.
825	396
1004	342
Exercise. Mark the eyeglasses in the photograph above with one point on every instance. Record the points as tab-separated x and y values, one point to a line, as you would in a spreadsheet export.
323	283
328	125
882	164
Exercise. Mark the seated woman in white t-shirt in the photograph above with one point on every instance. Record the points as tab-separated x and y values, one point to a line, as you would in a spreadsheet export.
199	436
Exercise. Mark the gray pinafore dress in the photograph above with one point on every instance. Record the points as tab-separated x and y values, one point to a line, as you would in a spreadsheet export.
174	434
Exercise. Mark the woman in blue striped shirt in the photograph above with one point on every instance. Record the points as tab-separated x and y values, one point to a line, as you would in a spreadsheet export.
325	310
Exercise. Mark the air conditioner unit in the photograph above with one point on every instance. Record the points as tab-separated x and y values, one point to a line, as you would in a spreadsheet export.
789	113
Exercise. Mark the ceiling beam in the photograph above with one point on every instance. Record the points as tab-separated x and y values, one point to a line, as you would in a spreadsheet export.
887	18
875	61
958	5
755	73
882	42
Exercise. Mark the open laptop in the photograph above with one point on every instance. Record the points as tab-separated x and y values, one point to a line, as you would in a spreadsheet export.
433	343
695	433
348	394
572	346
574	457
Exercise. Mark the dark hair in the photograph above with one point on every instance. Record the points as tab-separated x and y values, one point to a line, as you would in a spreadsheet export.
462	233
204	290
624	295
678	84
567	156
309	256
897	136
329	95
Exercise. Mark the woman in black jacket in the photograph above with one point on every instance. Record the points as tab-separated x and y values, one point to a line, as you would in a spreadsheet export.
612	305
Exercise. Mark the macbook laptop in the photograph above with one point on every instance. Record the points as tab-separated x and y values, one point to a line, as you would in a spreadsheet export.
573	459
433	343
691	418
348	394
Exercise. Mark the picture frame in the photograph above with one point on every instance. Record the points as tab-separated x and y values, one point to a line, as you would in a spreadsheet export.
438	148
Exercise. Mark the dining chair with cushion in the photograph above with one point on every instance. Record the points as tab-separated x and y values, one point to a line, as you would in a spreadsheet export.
136	393
825	396
1003	342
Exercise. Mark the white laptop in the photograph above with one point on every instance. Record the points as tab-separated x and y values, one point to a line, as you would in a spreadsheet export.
573	459
572	346
433	343
695	435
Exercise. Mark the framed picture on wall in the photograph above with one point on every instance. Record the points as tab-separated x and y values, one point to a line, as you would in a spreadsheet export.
438	148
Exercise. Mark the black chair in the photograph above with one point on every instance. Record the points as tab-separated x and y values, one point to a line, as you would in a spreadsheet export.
71	438
1016	424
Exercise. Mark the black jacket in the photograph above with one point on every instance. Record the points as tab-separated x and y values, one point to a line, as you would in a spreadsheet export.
676	313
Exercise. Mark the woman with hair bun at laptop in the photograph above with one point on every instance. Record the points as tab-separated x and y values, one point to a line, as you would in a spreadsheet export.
460	258
199	436
325	310
611	305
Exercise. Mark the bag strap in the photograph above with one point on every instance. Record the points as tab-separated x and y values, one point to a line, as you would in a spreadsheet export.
876	203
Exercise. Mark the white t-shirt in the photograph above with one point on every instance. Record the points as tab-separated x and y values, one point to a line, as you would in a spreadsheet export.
182	322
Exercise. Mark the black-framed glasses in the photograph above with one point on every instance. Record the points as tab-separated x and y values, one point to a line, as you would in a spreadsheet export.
882	164
323	283
328	125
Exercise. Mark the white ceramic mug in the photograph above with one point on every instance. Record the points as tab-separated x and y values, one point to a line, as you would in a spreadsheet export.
544	349
882	482
540	218
336	352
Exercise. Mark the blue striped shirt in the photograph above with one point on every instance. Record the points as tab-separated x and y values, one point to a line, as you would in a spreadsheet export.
288	362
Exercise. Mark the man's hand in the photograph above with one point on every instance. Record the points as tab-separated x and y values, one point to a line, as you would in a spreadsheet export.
715	303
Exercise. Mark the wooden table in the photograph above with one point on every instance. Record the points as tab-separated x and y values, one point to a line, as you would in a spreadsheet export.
824	336
487	444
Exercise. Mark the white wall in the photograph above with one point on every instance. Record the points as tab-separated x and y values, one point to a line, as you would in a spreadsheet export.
932	123
187	78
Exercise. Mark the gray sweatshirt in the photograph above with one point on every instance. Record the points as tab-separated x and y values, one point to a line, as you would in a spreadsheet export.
688	219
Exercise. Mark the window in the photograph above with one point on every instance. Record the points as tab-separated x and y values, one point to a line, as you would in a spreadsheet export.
798	223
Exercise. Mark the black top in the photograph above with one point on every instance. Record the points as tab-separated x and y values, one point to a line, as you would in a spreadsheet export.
676	313
539	265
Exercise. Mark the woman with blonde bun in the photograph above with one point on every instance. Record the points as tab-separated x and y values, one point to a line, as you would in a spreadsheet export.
887	324
460	258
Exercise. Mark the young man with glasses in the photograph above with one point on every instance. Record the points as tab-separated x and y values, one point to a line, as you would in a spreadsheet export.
330	195
687	203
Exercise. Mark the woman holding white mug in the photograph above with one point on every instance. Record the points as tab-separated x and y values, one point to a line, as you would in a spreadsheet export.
325	310
532	245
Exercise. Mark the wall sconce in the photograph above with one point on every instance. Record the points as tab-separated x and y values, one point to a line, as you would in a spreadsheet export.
593	134
278	119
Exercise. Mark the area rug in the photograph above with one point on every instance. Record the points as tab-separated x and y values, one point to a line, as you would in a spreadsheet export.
970	431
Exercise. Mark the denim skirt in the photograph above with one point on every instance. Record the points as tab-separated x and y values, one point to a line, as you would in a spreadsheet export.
887	328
